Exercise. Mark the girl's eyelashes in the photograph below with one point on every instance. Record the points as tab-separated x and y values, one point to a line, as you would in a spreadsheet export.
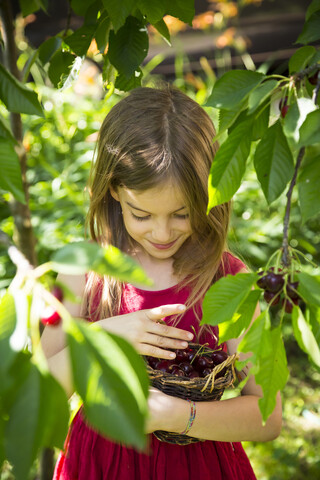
141	219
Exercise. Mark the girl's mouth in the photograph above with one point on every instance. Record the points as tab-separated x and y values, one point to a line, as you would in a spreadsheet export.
163	246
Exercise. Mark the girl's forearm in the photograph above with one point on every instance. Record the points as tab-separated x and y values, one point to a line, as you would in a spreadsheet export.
59	366
233	420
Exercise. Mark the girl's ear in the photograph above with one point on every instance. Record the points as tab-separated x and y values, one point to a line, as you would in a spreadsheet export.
114	194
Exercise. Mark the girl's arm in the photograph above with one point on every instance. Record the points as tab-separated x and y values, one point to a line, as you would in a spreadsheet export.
231	420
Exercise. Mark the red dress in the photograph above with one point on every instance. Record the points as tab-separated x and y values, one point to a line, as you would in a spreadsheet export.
89	456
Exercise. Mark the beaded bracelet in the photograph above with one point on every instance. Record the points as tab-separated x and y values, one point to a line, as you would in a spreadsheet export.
191	418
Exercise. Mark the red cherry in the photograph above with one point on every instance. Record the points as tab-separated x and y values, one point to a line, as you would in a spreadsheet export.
186	367
219	357
50	316
291	290
203	362
262	282
283	102
274	282
270	297
181	356
193	374
221	373
177	371
152	361
314	78
206	372
57	292
284	111
163	366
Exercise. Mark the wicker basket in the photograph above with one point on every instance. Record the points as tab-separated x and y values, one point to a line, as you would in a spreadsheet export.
199	389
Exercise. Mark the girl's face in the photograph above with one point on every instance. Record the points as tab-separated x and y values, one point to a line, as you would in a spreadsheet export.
157	219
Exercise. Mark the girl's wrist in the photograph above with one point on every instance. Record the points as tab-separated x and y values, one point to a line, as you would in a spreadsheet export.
178	416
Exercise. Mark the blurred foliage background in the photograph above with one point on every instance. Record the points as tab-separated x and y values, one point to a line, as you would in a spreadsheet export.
60	150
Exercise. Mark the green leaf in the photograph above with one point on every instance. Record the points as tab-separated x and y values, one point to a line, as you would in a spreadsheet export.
125	84
162	28
182	9
102	33
16	96
273	373
225	297
228	117
308	188
310	129
60	65
311	29
273	162
313	7
5	130
296	116
48	48
10	179
31	6
300	58
260	122
154	11
54	408
128	47
112	381
22	430
260	94
257	340
119	11
232	88
80	40
7	326
81	257
229	165
240	321
309	288
312	315
304	336
80	7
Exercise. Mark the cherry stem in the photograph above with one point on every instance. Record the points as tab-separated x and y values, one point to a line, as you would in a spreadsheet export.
285	242
306	72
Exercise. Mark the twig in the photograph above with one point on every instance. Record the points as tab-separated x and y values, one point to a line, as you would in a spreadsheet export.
285	243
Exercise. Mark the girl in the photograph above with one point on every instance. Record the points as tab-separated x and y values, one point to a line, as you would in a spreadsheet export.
148	190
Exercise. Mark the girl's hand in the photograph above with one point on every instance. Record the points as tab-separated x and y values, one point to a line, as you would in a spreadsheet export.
144	330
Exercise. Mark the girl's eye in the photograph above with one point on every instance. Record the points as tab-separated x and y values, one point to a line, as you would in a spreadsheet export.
140	219
182	217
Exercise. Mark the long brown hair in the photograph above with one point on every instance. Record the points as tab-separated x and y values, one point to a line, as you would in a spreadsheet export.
152	135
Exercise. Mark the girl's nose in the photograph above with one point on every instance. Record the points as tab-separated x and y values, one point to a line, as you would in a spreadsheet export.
162	232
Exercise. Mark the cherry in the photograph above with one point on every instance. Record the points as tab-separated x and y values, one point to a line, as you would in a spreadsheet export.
163	366
177	371
221	373
219	357
206	372
193	374
291	290
270	297
186	367
284	110
274	282
50	315
288	304
181	356
152	361
283	102
203	362
313	79
262	282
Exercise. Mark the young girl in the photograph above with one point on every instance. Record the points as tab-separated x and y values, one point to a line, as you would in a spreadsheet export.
148	189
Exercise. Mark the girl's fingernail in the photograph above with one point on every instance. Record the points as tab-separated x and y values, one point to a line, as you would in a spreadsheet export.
190	335
172	355
181	307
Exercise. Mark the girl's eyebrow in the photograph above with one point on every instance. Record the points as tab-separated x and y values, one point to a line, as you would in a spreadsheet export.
144	211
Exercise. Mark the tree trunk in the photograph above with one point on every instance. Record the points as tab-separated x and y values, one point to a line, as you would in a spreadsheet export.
23	234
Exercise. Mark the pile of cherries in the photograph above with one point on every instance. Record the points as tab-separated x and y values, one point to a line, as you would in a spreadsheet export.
191	363
276	288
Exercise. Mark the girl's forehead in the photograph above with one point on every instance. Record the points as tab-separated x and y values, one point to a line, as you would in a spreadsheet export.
166	194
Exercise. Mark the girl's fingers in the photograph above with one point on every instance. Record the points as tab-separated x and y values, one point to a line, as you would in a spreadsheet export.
165	331
159	341
152	351
158	313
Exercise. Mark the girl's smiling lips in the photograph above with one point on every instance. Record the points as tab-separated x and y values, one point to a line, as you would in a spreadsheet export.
163	246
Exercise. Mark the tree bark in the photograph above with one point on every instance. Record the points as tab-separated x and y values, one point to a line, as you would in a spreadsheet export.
23	233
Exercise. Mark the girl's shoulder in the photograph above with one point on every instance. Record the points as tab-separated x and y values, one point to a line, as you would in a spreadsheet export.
230	264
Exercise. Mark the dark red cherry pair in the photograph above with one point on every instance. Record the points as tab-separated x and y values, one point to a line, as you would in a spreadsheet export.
50	315
191	363
273	285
